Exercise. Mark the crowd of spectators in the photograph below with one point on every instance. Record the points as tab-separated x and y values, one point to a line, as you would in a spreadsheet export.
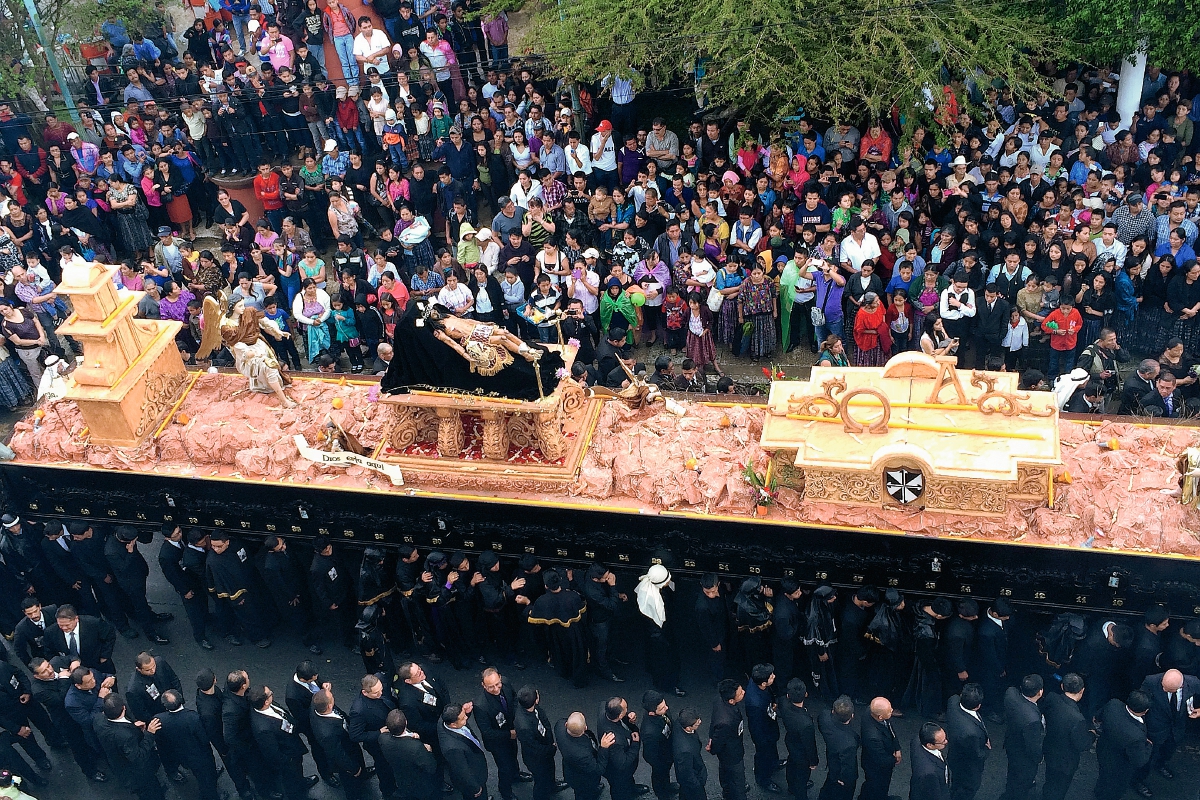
1032	233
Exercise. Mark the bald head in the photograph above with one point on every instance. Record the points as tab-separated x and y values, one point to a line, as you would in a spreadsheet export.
1172	680
881	708
576	724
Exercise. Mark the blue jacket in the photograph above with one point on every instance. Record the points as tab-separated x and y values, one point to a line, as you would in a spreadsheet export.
760	705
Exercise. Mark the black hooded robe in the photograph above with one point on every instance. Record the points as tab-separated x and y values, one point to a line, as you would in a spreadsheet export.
562	613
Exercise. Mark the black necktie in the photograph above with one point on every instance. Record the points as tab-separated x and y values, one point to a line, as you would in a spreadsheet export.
72	644
1175	702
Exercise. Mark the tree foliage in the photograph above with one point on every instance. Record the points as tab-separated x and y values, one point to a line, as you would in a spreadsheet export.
769	57
1112	29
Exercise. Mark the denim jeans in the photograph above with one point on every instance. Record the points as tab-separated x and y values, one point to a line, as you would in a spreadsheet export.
831	326
499	55
239	26
1061	362
344	45
347	138
318	51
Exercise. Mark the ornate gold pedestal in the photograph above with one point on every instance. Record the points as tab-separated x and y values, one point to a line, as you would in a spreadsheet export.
131	373
913	435
559	426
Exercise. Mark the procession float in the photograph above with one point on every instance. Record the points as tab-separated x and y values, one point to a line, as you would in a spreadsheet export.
916	475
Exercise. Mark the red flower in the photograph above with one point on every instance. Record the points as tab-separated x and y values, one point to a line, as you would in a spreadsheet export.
779	375
767	372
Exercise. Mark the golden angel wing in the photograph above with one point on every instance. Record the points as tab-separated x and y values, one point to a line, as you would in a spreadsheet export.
210	339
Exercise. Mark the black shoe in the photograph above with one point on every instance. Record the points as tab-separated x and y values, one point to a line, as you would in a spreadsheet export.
640	789
616	678
772	787
1144	791
205	644
447	789
619	661
518	665
44	765
315	649
524	777
164	617
561	786
434	658
1166	773
782	764
98	777
275	795
129	633
334	781
263	644
482	661
35	779
179	777
157	639
233	640
680	692
369	771
311	781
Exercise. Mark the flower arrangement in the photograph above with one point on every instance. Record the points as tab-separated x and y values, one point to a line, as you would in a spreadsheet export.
765	486
773	373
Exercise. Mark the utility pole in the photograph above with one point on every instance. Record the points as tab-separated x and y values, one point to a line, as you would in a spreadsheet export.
51	59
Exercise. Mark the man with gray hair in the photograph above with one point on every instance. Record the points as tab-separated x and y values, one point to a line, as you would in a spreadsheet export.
1137	386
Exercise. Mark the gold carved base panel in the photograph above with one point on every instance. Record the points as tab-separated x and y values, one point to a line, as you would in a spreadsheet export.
865	488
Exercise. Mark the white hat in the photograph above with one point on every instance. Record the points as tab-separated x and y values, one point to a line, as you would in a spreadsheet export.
960	161
330	145
72	135
591	252
483	235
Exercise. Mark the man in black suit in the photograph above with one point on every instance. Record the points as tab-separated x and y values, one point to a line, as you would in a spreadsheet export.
725	739
841	750
16	723
1164	400
463	752
181	739
422	699
84	701
1182	649
188	586
619	761
61	563
287	587
365	722
231	580
30	632
930	772
1137	386
246	761
581	755
87	548
1172	702
956	646
278	743
129	571
880	750
407	756
494	710
210	701
50	687
969	743
1102	661
656	735
21	547
1026	734
536	737
852	624
329	728
152	676
1123	751
130	751
800	739
690	770
298	695
1068	736
991	324
1147	645
990	666
90	639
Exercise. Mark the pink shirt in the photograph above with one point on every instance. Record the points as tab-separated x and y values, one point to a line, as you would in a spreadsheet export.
280	53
